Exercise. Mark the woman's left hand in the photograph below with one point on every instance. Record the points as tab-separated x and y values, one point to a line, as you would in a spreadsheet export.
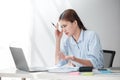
70	58
64	57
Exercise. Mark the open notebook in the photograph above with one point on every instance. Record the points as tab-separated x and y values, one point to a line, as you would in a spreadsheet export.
115	69
63	69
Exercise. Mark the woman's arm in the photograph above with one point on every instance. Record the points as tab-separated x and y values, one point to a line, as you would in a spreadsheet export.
81	61
58	36
57	50
58	54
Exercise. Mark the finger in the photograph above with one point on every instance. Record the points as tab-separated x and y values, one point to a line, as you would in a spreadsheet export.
57	26
73	65
67	57
61	31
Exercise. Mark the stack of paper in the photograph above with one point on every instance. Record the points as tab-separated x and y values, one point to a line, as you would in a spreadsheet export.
115	69
63	69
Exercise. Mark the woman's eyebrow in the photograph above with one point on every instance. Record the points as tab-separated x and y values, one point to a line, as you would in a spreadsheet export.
64	25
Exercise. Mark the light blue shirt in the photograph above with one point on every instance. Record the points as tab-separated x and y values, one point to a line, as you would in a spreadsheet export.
87	47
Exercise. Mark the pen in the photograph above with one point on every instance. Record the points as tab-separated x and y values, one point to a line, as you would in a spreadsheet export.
53	24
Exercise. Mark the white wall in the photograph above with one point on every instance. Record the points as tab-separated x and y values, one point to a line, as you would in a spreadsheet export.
15	25
16	21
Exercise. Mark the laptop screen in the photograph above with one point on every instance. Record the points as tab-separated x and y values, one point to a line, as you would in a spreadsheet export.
19	58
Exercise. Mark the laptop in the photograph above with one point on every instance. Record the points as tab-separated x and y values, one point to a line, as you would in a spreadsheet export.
21	63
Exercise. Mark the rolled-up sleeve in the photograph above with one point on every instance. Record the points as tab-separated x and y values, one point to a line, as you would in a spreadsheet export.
63	49
95	51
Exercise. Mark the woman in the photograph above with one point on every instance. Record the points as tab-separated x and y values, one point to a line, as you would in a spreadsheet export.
81	48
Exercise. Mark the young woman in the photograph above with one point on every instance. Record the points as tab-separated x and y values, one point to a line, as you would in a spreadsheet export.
81	48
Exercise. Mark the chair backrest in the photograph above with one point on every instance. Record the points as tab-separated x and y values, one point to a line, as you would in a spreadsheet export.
108	58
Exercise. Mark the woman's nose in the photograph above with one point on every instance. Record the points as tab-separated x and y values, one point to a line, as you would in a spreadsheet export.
64	30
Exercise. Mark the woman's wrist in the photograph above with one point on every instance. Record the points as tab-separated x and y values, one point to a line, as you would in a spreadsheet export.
73	58
58	39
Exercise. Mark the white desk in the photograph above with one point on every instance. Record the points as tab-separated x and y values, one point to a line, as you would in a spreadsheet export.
15	73
56	76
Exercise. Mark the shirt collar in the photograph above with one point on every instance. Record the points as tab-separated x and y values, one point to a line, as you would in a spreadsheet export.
72	41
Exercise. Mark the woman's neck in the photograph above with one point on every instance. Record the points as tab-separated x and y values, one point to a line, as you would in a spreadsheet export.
76	35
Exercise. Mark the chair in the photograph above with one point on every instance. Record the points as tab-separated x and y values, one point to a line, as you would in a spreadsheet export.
108	58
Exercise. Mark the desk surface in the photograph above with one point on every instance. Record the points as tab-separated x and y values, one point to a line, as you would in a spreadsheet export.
15	73
63	76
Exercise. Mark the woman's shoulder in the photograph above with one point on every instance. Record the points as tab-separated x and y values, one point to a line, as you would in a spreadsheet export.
88	31
90	34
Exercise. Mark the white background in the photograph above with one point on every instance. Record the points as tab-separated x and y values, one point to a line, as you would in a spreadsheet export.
26	23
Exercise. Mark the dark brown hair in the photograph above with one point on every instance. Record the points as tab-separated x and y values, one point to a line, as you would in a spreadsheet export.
71	15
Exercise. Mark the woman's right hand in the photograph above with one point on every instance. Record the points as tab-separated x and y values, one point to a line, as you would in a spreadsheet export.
58	34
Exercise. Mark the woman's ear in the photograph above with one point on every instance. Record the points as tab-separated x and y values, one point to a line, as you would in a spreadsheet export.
75	22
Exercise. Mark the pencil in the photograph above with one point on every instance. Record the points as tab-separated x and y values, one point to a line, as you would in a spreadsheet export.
53	24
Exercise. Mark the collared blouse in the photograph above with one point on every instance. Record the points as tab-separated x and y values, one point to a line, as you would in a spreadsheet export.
87	47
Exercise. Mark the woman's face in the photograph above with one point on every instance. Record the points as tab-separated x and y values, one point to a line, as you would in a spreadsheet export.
69	28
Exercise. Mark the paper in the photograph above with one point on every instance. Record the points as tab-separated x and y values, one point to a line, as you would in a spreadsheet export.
87	73
74	73
115	69
63	69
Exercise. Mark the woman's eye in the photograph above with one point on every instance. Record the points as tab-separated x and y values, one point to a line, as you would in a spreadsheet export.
63	26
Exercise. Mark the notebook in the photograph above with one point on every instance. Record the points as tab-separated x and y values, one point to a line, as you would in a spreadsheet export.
21	63
63	69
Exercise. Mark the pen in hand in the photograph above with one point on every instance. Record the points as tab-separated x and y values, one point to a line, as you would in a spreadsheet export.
53	24
56	26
